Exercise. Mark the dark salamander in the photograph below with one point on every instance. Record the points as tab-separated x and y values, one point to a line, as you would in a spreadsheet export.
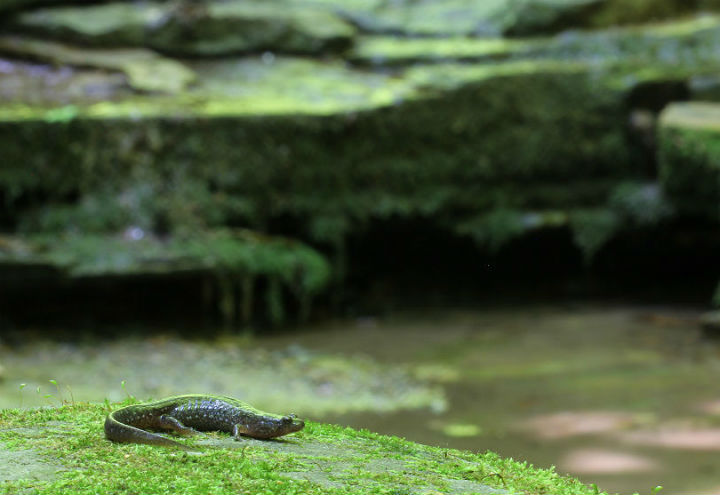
187	414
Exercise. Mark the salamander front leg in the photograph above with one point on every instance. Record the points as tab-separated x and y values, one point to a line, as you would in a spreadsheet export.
169	423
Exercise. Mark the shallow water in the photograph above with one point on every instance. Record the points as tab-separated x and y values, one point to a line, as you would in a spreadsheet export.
625	397
628	398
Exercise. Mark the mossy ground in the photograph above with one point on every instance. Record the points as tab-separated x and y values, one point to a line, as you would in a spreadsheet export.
320	459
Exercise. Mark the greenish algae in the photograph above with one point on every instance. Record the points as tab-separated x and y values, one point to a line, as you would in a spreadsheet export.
320	459
689	155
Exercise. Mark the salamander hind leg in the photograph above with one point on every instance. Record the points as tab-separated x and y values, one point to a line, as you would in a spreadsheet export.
166	422
239	429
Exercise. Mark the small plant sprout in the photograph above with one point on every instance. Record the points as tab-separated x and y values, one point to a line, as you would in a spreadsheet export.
59	392
595	488
655	490
122	385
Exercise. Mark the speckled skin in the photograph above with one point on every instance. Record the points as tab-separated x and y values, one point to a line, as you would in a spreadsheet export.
185	414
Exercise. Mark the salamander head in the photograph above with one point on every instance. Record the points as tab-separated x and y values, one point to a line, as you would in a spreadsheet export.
268	426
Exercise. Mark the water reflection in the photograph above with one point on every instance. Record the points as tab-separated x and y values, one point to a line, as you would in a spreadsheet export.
618	396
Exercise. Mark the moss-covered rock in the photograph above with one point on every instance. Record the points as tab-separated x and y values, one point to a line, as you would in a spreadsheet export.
532	17
566	129
654	52
15	5
234	260
532	133
240	26
146	71
118	24
392	50
505	17
689	152
320	459
195	28
614	12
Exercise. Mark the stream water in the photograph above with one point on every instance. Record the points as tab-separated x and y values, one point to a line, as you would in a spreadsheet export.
625	397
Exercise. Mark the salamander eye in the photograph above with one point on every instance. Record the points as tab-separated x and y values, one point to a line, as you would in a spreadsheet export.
288	419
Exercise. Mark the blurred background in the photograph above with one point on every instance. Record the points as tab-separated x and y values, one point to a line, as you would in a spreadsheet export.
488	225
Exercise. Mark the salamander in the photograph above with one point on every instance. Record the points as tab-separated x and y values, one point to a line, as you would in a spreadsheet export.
187	414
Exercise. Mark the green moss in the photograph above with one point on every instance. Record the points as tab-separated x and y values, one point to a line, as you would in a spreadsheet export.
689	154
320	459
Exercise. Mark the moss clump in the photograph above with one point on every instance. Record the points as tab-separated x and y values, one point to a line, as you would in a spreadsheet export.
321	459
